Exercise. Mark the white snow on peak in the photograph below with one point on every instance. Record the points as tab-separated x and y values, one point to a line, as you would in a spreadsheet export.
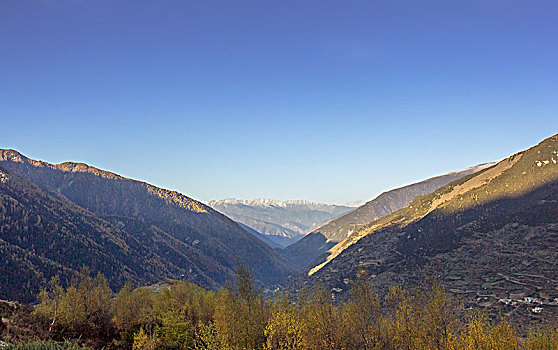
475	168
265	202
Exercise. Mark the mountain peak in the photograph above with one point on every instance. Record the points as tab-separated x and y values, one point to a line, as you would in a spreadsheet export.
267	202
12	155
175	235
326	236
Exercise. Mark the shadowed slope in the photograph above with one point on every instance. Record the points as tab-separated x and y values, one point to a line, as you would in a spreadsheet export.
44	234
186	233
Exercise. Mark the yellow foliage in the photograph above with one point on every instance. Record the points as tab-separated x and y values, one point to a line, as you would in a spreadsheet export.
143	342
284	328
181	315
241	313
543	339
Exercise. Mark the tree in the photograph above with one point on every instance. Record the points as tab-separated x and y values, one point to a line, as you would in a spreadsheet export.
362	316
284	328
132	310
241	313
321	320
82	310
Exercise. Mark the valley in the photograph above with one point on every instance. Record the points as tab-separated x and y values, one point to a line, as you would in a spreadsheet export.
483	239
282	222
88	210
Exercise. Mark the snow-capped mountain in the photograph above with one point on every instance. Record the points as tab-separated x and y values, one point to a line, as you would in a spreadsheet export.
267	202
283	222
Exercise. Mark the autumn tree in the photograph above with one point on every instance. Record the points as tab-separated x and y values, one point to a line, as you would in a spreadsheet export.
132	310
362	316
82	310
284	328
320	317
241	313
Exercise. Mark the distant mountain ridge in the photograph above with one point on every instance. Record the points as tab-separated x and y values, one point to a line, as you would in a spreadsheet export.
326	236
196	242
282	222
267	202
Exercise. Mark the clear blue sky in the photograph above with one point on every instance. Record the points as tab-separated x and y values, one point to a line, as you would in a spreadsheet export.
332	101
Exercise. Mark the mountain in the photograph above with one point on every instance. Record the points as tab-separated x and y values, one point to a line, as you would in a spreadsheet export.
127	229
282	222
490	237
261	237
44	234
316	243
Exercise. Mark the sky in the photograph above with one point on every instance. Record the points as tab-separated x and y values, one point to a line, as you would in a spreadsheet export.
329	101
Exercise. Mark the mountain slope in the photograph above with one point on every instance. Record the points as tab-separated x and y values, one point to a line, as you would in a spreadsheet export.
185	233
491	235
284	222
258	235
325	237
43	234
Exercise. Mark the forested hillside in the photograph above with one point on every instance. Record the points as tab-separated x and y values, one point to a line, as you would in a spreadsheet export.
145	232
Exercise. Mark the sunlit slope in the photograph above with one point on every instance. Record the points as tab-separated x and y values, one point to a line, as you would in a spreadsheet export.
325	237
490	235
187	233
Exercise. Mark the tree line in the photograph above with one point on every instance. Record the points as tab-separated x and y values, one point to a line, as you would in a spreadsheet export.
181	315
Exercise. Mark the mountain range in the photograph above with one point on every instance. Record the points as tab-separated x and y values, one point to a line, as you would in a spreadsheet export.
488	234
317	242
282	222
57	218
490	238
